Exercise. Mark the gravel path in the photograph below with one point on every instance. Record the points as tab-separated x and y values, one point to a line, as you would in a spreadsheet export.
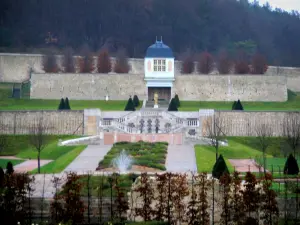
181	158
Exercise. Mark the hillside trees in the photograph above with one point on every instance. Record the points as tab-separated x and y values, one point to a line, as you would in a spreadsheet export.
104	63
187	66
86	60
205	63
121	65
50	62
68	61
224	63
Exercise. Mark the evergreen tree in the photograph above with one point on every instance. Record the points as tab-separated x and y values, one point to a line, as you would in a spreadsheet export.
136	101
291	166
239	106
61	104
233	105
172	105
9	168
67	104
219	168
177	101
130	105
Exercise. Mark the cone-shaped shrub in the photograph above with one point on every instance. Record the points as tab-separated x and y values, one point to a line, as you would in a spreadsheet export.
233	105
9	168
177	101
67	104
136	101
238	106
130	105
291	166
61	104
172	105
220	168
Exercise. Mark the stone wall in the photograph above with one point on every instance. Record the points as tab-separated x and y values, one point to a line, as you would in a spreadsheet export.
246	123
56	122
231	87
87	86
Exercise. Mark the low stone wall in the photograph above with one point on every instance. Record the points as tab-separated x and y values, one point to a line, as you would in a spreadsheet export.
239	123
55	122
231	88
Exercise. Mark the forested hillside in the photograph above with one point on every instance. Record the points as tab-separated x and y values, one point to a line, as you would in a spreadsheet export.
133	24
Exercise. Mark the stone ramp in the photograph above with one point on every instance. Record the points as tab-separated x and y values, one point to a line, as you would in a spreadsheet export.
88	159
181	159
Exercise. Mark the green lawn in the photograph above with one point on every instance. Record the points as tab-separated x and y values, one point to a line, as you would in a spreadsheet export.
3	162
19	146
237	149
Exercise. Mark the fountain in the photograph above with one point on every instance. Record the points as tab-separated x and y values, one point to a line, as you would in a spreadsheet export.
122	162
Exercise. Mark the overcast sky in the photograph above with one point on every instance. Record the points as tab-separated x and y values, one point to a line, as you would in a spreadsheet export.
287	5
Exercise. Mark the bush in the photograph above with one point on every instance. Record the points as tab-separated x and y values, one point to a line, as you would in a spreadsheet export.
219	168
177	101
173	105
67	104
68	63
259	64
61	104
237	105
205	63
104	63
9	168
224	63
291	166
136	101
130	105
121	65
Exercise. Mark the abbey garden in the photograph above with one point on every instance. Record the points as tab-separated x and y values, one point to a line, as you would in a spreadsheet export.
95	115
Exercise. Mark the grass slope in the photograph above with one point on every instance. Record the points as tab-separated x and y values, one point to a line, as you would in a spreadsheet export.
3	162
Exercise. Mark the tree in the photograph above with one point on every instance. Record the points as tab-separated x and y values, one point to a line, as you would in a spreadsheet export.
259	64
136	101
67	104
291	166
130	105
9	168
121	65
264	133
225	182
291	130
220	168
238	105
61	104
187	66
50	63
177	100
241	64
224	63
173	105
38	138
236	204
205	63
104	63
86	61
216	132
68	61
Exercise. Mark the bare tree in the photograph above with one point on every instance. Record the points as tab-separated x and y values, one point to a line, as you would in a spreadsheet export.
291	131
216	132
264	133
39	138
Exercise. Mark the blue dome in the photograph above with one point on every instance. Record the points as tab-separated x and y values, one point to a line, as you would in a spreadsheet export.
159	50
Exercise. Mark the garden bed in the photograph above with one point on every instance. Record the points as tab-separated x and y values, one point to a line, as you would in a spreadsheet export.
146	157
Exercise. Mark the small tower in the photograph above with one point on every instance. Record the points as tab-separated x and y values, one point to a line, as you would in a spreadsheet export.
159	70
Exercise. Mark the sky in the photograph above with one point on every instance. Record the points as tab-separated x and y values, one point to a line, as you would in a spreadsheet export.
287	5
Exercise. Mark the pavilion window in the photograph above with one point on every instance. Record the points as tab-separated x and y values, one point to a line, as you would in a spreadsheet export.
159	65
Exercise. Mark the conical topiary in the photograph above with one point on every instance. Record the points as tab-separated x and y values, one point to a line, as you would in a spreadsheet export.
239	106
67	104
219	168
136	101
130	105
291	166
233	105
61	104
172	105
9	168
177	101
